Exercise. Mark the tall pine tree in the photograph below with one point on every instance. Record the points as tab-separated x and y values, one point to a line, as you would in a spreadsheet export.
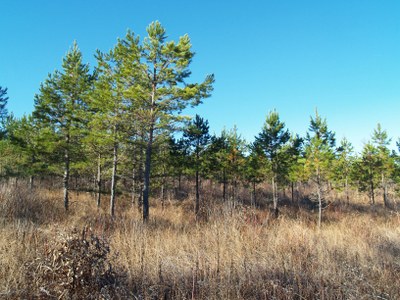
165	69
60	103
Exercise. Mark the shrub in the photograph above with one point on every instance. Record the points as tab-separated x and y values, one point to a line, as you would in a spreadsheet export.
77	267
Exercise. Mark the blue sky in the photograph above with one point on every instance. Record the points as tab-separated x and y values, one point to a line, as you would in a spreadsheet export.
342	57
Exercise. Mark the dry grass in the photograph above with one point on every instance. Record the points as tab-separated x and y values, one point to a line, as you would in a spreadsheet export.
239	253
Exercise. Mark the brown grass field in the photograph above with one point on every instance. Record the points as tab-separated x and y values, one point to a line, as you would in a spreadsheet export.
234	253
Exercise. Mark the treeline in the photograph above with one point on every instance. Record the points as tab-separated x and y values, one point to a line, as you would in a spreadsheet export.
118	124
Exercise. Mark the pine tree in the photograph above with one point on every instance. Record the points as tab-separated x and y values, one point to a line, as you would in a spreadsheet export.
254	171
319	152
366	170
165	67
381	141
344	165
110	110
28	136
197	137
217	160
61	102
293	162
234	160
273	140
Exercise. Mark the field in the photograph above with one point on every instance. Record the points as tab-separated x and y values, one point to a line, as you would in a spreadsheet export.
233	252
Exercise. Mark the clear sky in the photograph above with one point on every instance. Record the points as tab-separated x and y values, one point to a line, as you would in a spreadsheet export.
342	56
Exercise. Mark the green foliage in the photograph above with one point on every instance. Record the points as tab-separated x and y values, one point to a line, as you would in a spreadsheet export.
30	139
196	139
255	163
343	163
366	170
235	159
279	148
319	151
62	102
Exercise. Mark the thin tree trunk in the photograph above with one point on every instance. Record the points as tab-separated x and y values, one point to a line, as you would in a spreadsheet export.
163	187
98	180
114	179
147	167
133	191
139	185
234	190
384	185
372	192
347	190
162	192
197	205
31	180
66	172
292	191
274	197
319	199
224	185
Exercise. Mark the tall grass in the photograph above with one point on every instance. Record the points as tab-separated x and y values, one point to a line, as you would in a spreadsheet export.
237	253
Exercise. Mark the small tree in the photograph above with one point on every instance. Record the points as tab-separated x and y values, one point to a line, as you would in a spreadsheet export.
386	162
254	170
366	170
319	152
293	162
217	160
28	136
235	160
343	165
197	137
272	141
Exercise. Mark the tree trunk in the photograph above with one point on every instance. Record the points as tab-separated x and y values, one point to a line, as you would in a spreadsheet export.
133	191
347	191
292	191
162	192
31	179
224	185
114	179
372	192
147	166
197	204
139	185
66	172
98	180
319	199
163	187
384	185
274	197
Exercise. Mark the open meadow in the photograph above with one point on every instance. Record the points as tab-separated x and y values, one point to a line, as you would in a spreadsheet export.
233	252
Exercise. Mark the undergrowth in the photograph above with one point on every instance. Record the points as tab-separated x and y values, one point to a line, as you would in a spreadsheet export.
234	252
